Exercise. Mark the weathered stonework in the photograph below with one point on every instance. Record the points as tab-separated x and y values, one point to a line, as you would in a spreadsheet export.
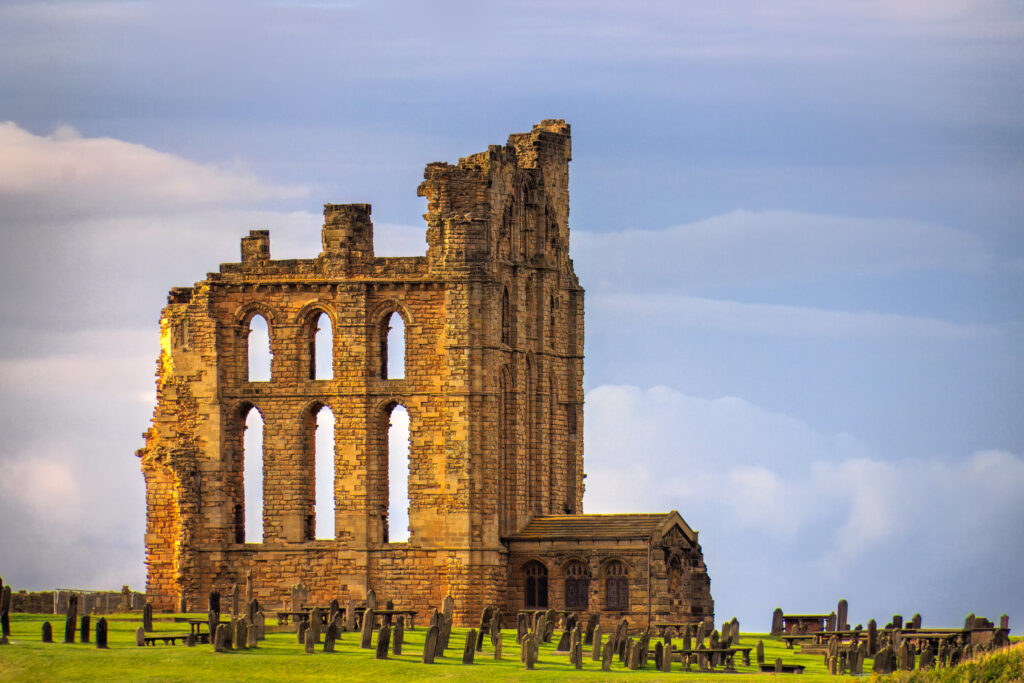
493	387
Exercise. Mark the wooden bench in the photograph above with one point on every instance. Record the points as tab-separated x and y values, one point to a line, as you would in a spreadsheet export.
173	638
803	636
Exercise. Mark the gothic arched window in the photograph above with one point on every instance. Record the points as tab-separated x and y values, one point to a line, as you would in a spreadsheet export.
616	586
577	586
536	585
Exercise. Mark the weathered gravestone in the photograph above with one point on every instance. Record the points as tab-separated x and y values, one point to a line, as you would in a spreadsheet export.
301	629
316	622
659	653
249	588
147	618
607	653
350	615
897	621
371	600
309	641
576	655
388	606
927	658
333	609
841	613
366	636
241	634
495	627
445	626
666	658
101	634
915	622
549	625
330	636
252	608
470	648
182	604
563	642
399	637
140	637
595	642
190	640
485	623
734	631
830	622
497	649
383	642
234	599
522	627
260	622
593	621
532	650
759	652
777	623
430	645
84	625
71	620
47	632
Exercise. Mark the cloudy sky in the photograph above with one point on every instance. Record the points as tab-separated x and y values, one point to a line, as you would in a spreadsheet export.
798	224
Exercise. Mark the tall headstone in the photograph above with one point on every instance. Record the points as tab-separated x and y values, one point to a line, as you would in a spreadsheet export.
101	634
576	654
777	623
241	634
371	599
330	636
734	632
830	622
252	607
522	627
593	621
430	645
261	626
469	650
841	613
249	589
235	606
383	642
84	627
251	639
607	653
147	618
915	622
595	641
366	637
897	621
350	615
316	619
333	610
398	638
71	620
309	642
872	638
182	604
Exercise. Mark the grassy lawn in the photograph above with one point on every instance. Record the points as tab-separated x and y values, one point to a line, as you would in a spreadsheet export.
281	657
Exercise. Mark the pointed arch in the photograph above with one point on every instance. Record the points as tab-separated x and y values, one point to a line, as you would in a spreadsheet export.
258	349
577	585
535	575
393	323
393	483
248	518
318	333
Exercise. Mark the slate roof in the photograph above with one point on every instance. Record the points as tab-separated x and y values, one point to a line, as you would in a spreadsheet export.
569	527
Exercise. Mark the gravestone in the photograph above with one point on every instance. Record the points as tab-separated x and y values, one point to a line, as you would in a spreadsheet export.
190	641
301	629
333	610
251	610
241	634
659	653
470	648
897	621
366	637
522	627
47	632
576	655
734	632
330	636
84	626
101	634
214	605
249	591
549	625
234	600
70	622
777	623
915	622
927	658
759	652
668	652
497	649
147	618
485	623
316	619
388	606
532	650
593	622
430	645
495	627
260	622
563	642
606	656
371	600
872	638
540	625
1004	622
399	637
383	642
841	613
140	637
447	617
350	615
595	642
309	641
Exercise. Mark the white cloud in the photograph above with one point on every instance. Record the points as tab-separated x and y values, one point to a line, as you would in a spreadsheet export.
67	175
819	516
42	484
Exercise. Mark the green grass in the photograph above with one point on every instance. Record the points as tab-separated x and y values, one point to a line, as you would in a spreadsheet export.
1003	665
281	657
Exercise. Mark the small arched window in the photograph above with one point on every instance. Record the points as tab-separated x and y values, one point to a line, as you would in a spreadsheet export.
392	347
577	586
321	347
258	349
536	585
616	586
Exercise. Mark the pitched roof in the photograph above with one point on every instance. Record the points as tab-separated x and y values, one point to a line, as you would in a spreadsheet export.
568	527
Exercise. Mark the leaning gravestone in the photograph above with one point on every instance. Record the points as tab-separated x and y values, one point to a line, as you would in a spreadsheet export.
147	618
563	642
448	616
593	621
330	636
333	609
366	637
101	634
485	623
659	654
83	627
383	642
470	648
430	645
495	628
47	632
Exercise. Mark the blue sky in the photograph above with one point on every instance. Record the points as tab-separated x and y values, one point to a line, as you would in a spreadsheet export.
798	224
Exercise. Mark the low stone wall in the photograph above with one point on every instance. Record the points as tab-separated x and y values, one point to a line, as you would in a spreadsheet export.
89	602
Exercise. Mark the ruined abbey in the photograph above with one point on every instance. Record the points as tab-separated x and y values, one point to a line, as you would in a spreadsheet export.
493	388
